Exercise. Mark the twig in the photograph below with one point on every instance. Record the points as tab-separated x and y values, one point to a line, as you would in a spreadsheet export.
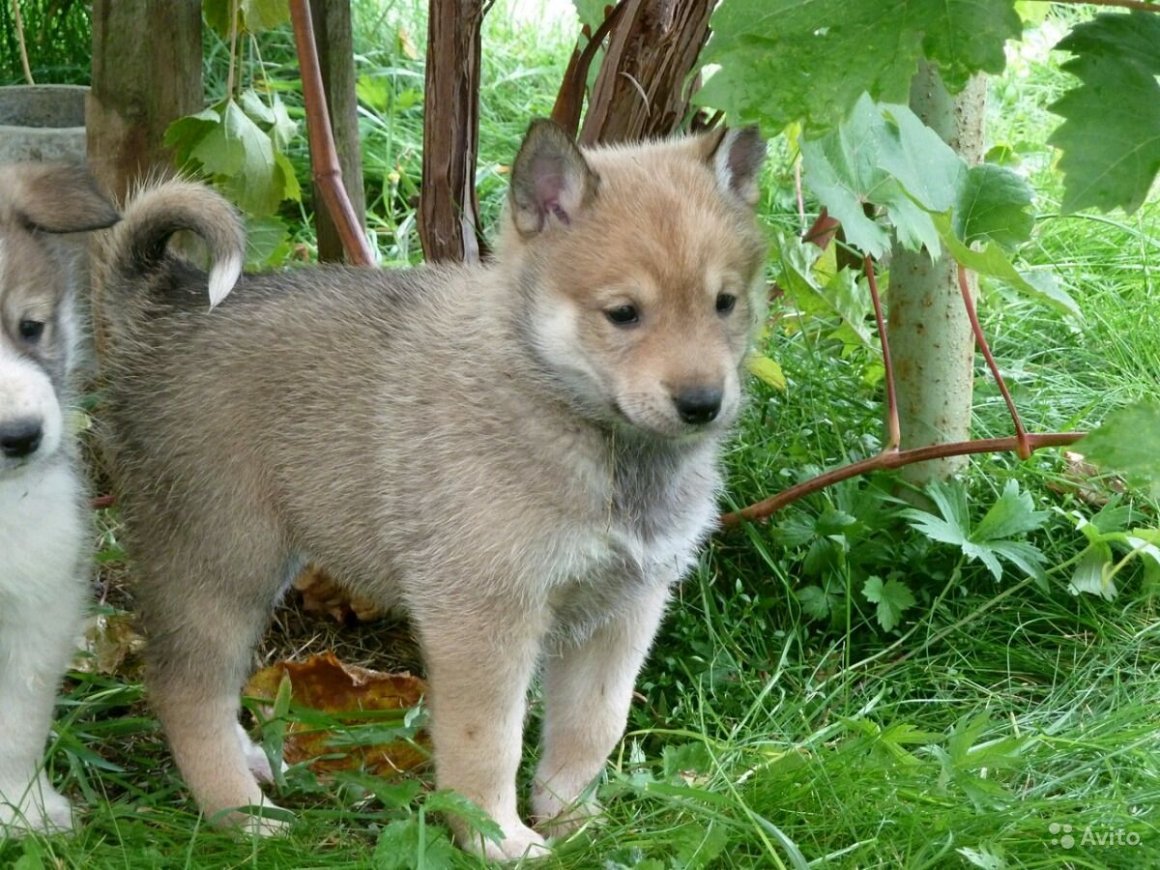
890	459
1022	448
19	24
323	156
893	427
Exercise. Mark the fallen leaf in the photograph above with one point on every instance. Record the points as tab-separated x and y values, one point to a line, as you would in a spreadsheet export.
346	693
110	640
1085	481
320	594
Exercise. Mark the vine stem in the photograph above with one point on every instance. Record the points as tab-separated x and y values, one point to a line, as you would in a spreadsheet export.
323	154
1022	449
893	427
890	459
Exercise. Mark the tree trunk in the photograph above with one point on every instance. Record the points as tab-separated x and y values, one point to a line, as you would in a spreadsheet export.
643	88
335	42
448	205
146	74
930	335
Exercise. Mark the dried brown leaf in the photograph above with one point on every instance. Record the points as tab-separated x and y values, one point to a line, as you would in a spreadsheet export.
324	683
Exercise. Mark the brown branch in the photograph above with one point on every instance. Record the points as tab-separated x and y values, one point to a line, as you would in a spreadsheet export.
570	98
1022	448
893	427
890	459
323	156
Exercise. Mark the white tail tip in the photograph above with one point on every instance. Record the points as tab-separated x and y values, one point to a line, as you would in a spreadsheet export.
222	279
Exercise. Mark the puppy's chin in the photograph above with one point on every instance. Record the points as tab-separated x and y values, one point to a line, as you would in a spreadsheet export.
648	422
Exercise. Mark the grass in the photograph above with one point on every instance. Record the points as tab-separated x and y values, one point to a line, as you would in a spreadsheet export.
997	720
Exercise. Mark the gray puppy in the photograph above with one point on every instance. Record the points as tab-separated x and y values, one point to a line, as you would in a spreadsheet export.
523	455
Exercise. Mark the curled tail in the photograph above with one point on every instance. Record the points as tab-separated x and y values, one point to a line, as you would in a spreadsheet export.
134	254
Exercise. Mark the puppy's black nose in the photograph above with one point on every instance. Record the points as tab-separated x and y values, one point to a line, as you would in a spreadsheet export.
698	405
20	438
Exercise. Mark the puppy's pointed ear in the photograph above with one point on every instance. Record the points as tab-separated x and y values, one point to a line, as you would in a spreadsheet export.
736	157
551	180
55	199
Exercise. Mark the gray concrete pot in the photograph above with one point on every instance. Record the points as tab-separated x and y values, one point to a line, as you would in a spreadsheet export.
42	122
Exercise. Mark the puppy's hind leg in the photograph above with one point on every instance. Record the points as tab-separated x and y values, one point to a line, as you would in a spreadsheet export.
588	690
204	612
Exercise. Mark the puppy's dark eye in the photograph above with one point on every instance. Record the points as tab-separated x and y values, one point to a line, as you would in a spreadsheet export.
31	330
725	302
623	315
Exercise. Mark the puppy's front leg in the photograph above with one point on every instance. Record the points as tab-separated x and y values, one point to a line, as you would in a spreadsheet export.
34	652
479	665
588	690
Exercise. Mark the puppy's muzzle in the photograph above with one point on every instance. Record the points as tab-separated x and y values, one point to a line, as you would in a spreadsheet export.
20	438
698	405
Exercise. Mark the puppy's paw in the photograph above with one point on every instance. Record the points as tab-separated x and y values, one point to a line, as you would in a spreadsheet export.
519	843
256	758
40	808
555	818
264	819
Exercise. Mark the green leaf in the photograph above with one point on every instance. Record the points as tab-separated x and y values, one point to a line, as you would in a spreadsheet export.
591	12
267	242
1128	443
990	541
253	16
467	811
412	844
809	280
1110	136
892	597
767	370
1013	513
185	134
1091	573
814	601
788	60
992	204
845	169
993	262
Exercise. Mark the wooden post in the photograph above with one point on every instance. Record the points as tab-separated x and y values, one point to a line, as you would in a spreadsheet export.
146	74
448	205
335	41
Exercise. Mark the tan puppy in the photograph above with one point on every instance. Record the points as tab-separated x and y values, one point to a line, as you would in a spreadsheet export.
522	454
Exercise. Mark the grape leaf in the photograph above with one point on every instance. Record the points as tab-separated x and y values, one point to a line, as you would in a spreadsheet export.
992	262
253	16
993	203
892	597
1128	443
846	169
787	60
591	12
1110	136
